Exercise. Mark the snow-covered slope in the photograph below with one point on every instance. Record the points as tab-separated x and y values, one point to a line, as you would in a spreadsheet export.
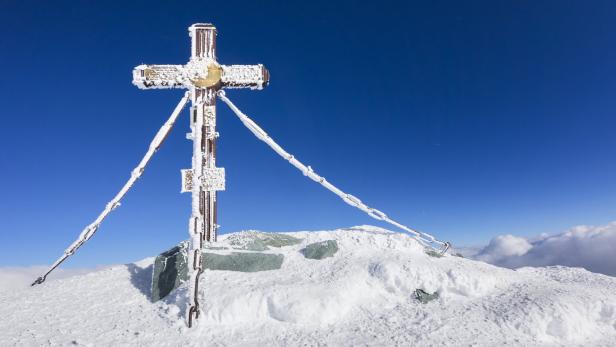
362	295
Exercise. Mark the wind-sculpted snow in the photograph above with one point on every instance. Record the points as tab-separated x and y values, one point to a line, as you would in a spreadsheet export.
593	248
363	295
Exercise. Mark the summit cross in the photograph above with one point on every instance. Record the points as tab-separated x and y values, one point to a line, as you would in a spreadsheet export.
203	76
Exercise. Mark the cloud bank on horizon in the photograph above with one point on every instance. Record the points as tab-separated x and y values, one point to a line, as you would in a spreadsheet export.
590	247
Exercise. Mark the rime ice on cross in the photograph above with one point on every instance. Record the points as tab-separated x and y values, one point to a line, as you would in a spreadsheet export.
203	76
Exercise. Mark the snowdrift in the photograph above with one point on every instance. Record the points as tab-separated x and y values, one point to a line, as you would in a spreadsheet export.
364	294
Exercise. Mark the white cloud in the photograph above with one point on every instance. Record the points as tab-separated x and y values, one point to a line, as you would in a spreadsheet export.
502	247
593	248
17	278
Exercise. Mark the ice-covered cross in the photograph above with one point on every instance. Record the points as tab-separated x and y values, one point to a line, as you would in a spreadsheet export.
203	76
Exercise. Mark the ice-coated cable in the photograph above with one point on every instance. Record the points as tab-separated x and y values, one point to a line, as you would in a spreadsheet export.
91	229
423	238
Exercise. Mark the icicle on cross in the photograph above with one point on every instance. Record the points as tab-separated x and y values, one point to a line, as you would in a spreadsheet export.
203	76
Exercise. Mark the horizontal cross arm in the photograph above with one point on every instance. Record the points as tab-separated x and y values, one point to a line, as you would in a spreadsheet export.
244	76
200	74
160	77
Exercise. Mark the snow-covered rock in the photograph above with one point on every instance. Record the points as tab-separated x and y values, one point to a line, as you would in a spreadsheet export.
363	295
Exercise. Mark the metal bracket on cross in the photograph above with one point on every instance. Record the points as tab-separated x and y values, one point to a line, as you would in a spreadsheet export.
213	179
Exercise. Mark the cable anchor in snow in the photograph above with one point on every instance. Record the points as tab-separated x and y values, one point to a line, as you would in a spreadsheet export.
446	247
38	281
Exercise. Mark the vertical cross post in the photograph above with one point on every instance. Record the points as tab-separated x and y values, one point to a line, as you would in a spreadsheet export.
203	225
203	76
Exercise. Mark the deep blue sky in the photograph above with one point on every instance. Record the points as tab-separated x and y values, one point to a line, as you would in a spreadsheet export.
464	119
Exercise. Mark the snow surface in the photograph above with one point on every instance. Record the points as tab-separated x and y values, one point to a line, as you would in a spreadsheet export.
17	277
361	296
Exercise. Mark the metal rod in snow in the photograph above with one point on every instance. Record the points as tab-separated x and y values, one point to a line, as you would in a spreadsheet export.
91	229
423	238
